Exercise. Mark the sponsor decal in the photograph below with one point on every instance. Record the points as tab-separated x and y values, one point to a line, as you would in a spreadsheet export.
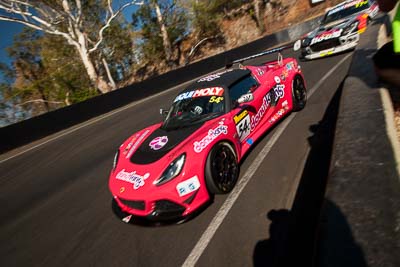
214	76
136	144
249	141
277	79
188	186
356	3
158	142
280	112
130	144
290	66
211	136
133	178
211	91
127	219
260	72
242	121
121	190
216	99
245	98
273	95
327	53
284	75
326	36
240	116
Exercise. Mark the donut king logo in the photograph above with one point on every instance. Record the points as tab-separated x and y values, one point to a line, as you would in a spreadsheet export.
273	95
211	136
326	36
211	91
133	178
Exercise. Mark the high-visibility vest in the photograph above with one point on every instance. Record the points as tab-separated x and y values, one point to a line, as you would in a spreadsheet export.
396	31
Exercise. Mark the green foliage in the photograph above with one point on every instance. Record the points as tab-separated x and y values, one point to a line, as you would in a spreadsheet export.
145	21
118	49
47	74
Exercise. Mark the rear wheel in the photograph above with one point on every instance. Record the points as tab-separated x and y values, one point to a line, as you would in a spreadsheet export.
299	93
222	169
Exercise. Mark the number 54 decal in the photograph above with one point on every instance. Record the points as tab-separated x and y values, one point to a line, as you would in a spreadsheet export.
242	121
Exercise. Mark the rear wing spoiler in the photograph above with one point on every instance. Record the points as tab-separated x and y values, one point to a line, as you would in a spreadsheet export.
267	52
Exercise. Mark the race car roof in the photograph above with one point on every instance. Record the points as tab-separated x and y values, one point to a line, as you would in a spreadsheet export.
342	4
224	79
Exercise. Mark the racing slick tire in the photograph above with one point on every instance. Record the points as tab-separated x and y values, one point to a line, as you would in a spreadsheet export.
222	169
299	93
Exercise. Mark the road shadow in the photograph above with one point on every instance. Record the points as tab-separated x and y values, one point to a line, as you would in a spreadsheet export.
335	245
293	233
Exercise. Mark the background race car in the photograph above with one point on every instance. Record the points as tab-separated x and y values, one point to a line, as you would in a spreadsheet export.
171	169
339	30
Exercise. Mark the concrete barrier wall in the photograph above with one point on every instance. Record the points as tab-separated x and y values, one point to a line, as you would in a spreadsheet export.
21	133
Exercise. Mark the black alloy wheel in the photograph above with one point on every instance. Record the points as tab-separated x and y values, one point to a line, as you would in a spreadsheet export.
222	169
299	93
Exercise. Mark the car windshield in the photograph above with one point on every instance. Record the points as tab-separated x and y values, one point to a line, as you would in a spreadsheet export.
193	110
345	10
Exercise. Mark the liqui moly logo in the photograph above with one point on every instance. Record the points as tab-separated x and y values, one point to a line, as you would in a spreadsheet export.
133	178
211	91
211	136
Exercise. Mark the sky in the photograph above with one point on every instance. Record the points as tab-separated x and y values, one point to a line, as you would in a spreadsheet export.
7	32
9	29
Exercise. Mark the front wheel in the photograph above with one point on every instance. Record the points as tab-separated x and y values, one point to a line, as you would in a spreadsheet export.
299	93
222	169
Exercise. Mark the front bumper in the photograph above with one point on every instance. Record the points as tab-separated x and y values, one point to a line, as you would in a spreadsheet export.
161	210
345	43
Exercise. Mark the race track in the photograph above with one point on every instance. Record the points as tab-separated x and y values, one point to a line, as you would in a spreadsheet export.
57	207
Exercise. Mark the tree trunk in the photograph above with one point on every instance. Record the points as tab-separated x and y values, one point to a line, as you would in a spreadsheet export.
94	77
164	33
109	76
258	11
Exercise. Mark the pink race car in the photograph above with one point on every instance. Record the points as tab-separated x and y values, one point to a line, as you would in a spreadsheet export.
169	170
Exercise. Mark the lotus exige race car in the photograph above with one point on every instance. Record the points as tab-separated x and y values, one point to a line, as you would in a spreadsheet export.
339	30
169	170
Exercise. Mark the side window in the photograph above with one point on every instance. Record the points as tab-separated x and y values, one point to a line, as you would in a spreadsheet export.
245	85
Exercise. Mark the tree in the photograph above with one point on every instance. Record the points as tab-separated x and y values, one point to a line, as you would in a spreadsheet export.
118	49
46	74
10	111
162	26
258	8
80	23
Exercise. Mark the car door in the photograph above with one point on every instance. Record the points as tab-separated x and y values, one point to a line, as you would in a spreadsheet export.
242	114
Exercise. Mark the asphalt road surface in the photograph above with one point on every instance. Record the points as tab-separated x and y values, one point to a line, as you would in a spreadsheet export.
56	206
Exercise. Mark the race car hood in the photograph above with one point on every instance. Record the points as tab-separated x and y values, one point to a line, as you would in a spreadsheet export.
333	26
146	155
161	142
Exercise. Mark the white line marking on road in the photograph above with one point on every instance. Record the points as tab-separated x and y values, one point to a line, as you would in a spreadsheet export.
208	234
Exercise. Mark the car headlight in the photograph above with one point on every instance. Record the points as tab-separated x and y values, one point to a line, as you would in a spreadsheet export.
306	41
173	170
116	157
350	28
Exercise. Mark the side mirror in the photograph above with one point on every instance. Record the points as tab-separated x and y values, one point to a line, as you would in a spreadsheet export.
297	45
245	98
163	112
